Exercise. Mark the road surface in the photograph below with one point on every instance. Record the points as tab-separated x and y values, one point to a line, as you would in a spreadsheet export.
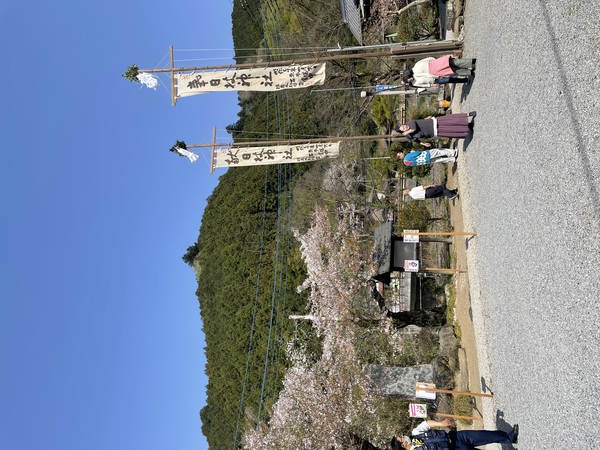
530	188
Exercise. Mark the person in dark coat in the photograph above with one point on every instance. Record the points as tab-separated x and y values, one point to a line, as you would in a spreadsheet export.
448	126
453	440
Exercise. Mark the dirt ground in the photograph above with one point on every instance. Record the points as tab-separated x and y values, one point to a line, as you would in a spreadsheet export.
469	377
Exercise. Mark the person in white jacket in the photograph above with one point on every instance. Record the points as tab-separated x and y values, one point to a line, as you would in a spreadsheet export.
431	191
447	69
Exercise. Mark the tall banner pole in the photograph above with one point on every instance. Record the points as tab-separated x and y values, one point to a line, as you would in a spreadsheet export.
253	153
441	48
173	91
213	154
371	137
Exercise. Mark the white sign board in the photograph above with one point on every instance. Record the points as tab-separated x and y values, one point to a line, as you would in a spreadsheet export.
421	391
411	235
418	410
411	265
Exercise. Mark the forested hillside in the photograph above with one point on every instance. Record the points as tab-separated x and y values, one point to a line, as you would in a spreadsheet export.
247	262
247	268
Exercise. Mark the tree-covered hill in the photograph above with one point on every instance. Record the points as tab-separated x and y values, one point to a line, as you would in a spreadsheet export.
247	269
247	263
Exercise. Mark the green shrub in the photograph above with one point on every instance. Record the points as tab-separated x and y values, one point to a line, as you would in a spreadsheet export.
418	23
413	216
463	406
382	112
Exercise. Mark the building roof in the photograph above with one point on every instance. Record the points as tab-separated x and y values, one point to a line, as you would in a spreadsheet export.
351	17
383	248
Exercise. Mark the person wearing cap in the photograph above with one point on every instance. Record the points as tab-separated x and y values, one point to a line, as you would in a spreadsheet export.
431	156
423	437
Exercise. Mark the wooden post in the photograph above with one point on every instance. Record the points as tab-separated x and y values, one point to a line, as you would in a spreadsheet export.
371	137
441	270
447	391
454	416
442	233
401	50
213	154
173	93
214	144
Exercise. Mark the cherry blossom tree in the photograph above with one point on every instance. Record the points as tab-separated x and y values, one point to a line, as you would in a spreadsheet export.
321	403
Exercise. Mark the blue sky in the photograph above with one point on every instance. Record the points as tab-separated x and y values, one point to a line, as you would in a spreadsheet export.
101	340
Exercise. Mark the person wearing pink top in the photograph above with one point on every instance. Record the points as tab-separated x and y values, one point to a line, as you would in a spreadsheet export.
447	69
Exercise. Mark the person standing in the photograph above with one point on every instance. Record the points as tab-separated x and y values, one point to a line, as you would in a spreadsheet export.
423	437
430	191
431	156
448	126
429	71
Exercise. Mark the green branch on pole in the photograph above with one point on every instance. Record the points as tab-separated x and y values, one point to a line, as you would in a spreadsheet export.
178	144
132	73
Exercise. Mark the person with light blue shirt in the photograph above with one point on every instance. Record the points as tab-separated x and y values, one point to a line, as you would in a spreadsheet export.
431	156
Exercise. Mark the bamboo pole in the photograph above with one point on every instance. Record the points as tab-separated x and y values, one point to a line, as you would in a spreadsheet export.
402	50
372	137
172	62
213	155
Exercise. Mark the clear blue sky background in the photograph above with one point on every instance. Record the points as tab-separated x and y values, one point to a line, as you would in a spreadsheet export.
101	341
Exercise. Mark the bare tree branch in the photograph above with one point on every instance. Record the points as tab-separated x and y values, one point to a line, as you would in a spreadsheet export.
407	7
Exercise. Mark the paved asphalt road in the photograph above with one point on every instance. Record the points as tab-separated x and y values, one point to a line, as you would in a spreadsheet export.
531	178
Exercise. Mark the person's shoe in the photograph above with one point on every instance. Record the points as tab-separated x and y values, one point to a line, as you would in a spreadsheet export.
473	114
455	195
455	155
515	434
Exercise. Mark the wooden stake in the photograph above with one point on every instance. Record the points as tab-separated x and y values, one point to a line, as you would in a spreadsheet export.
446	391
443	233
441	270
454	416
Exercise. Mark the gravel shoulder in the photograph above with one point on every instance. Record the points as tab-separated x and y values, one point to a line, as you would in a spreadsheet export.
469	378
530	187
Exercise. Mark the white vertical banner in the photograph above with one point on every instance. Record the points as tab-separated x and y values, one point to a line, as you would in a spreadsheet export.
278	154
259	79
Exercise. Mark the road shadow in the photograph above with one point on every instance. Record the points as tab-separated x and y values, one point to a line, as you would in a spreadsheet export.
575	121
503	425
467	140
485	387
467	240
466	88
